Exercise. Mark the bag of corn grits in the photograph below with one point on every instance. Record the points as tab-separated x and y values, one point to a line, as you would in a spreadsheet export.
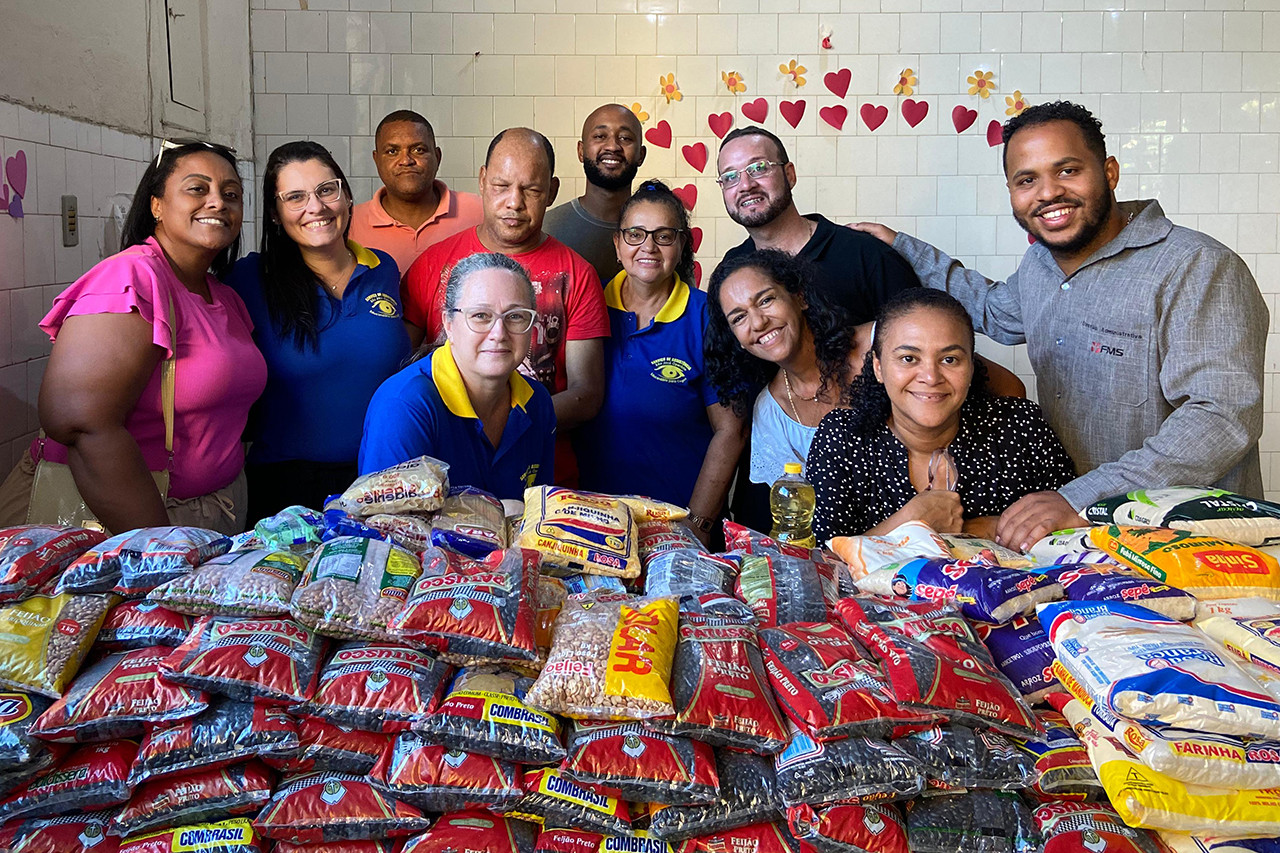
580	532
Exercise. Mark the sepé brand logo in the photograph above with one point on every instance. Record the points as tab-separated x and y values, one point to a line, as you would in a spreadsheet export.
1105	349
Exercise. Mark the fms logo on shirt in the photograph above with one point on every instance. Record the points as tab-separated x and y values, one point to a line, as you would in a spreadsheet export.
1100	348
673	370
382	305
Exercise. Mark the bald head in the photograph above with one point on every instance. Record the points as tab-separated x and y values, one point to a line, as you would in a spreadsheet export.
609	116
527	142
517	184
611	149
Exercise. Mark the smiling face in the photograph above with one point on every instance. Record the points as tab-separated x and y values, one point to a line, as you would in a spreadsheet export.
490	355
1061	193
611	151
765	317
202	206
754	202
649	262
926	365
317	225
407	159
516	188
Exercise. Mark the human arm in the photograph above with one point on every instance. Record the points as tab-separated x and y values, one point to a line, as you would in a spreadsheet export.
584	376
1001	381
99	368
728	437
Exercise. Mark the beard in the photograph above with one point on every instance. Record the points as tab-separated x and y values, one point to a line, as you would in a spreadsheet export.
1094	220
760	216
605	182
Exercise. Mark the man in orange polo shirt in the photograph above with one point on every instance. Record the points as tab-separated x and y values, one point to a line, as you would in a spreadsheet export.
411	210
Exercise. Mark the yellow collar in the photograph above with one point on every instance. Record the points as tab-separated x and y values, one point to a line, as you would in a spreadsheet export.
364	257
448	381
673	309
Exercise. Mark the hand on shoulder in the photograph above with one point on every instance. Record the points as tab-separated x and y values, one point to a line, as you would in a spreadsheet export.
875	229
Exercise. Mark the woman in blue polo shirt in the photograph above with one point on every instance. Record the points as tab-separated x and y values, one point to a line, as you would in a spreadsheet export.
661	431
465	404
326	315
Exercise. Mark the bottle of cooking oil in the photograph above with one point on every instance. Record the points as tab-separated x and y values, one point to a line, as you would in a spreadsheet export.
791	501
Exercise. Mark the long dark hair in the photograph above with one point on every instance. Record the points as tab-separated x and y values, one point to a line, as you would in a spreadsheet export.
659	193
139	224
867	397
737	375
290	288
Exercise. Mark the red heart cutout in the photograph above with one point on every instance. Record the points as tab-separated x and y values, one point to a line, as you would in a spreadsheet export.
792	111
697	237
1031	239
963	118
697	275
15	169
914	111
660	135
835	116
837	82
756	110
695	155
873	116
995	133
688	195
720	123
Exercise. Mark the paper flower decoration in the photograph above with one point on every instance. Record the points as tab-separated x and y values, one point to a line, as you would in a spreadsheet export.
670	90
1016	103
733	81
793	70
980	84
906	80
639	112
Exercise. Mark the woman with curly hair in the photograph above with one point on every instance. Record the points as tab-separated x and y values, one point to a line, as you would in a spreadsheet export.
923	438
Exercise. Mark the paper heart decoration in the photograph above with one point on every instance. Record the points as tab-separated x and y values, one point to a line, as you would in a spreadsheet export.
1031	239
963	118
756	110
873	116
995	133
695	155
660	135
688	195
697	274
792	111
914	111
696	233
834	116
837	82
15	207
15	169
720	123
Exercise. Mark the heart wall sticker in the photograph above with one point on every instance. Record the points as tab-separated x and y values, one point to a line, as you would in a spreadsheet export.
873	116
837	82
995	133
15	170
914	111
720	123
757	110
792	111
834	116
963	118
660	135
695	155
696	234
688	195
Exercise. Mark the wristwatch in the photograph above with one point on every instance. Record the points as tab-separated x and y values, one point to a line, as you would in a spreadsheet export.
703	524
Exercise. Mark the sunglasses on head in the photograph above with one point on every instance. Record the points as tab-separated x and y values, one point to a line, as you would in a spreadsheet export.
185	141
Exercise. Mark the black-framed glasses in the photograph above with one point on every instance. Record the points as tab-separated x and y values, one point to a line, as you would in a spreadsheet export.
328	193
755	171
184	141
517	321
635	236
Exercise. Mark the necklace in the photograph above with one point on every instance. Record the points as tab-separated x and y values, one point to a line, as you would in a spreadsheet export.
786	380
333	288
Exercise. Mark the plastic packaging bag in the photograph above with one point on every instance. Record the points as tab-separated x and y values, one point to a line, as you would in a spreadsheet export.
854	770
663	536
972	822
865	554
48	638
1023	653
272	659
1093	827
748	794
227	733
783	589
756	837
438	779
290	527
1205	512
1073	545
955	757
1204	566
967	548
580	532
336	807
1250	627
378	687
197	796
641	765
551	799
471	522
485	712
983	593
418	485
227	836
18	715
92	777
82	833
35	553
688	572
475	829
255	583
354	587
142	624
134	563
849	828
1113	583
410	532
325	747
1062	765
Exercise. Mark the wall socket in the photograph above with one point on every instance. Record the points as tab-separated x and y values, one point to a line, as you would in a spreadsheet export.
70	221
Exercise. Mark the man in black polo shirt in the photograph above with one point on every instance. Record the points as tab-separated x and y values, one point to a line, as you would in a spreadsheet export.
756	178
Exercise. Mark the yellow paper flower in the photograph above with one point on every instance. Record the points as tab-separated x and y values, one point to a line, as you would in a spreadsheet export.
906	80
980	84
670	90
793	70
639	112
733	81
1016	103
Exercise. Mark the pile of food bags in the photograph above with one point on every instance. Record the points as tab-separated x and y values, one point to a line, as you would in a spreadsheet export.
413	669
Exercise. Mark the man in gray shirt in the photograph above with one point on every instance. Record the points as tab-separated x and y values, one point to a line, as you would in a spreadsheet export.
1146	338
611	151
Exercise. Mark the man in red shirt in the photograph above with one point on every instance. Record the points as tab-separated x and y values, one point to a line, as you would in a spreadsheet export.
517	185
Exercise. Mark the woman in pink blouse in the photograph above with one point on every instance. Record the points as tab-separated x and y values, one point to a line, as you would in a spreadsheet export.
100	401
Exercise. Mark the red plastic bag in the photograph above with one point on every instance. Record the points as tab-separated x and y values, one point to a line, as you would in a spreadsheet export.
32	554
82	833
378	687
757	837
141	624
227	733
476	830
849	829
641	765
336	807
551	799
197	796
438	779
325	746
272	659
92	777
228	836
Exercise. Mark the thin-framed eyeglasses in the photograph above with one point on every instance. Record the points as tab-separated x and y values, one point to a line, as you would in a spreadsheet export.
755	171
635	236
327	192
517	321
183	141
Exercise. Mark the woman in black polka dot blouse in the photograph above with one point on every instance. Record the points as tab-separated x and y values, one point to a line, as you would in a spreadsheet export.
923	438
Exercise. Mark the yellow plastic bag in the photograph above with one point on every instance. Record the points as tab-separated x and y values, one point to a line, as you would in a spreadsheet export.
1206	567
580	532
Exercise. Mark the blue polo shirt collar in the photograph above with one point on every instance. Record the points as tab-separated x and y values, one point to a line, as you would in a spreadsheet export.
673	310
448	381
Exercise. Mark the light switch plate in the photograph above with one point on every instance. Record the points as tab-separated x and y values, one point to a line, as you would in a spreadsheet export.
70	221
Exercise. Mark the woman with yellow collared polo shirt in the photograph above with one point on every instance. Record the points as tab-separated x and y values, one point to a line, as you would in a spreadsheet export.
465	403
326	316
661	431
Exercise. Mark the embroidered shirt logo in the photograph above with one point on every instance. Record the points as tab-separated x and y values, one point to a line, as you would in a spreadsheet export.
1105	349
382	305
673	370
530	475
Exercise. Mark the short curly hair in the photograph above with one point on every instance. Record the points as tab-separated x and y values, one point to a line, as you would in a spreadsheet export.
737	375
1057	111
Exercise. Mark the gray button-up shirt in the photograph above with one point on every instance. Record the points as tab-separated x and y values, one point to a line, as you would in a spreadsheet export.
1148	359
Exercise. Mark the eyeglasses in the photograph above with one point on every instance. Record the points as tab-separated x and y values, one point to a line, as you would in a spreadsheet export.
755	171
517	321
185	141
636	235
328	192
